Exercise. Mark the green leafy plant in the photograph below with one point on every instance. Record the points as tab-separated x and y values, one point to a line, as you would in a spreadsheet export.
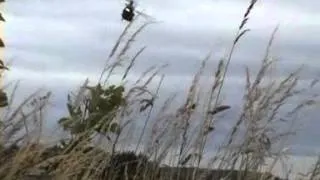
96	112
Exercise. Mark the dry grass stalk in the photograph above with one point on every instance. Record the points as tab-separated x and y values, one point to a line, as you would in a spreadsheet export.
260	120
219	84
149	103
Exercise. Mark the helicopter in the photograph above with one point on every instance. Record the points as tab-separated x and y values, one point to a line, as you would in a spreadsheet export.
129	11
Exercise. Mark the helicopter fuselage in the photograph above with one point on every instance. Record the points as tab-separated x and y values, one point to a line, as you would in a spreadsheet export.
128	12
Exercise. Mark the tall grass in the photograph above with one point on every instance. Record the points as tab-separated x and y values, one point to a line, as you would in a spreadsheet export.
256	137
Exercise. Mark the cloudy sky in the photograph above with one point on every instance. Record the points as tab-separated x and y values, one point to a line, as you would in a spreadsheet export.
57	44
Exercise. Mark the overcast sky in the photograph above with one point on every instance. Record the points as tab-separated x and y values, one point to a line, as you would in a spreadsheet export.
57	44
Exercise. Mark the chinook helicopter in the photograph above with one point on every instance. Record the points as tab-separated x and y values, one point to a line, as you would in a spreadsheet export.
129	11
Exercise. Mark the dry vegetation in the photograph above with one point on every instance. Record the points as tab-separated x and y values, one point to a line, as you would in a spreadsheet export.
102	113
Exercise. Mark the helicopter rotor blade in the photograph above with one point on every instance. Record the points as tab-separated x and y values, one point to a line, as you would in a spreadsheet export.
129	1
139	12
144	14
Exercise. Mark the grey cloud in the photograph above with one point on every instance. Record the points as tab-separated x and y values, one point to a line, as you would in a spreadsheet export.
56	8
165	44
75	37
308	7
232	90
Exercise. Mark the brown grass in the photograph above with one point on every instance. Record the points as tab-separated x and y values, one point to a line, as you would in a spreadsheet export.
256	135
